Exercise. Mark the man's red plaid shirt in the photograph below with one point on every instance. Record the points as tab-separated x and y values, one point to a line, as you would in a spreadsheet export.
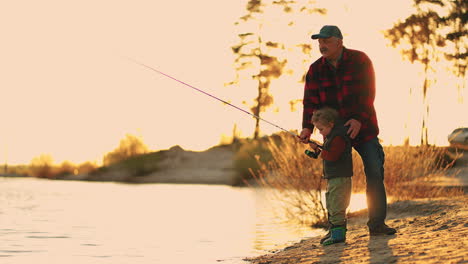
349	88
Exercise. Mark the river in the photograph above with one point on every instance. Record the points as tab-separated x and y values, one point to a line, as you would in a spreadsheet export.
43	221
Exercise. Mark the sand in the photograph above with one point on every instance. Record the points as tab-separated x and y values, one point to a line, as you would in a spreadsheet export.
429	231
213	166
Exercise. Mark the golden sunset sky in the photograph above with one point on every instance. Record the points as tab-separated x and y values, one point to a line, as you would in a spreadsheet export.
69	91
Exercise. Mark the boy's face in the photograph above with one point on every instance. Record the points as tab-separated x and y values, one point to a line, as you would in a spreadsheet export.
324	128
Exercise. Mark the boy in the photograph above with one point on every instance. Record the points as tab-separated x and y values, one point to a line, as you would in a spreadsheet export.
337	169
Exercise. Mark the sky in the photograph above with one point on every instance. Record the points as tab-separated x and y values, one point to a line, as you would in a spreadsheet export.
70	89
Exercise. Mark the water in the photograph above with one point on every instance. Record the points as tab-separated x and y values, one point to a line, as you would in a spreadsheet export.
45	221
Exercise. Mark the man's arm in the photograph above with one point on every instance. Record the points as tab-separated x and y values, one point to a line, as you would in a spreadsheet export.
364	93
310	103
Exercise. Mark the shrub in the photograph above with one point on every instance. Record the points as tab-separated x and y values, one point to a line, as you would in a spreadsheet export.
129	146
41	167
247	155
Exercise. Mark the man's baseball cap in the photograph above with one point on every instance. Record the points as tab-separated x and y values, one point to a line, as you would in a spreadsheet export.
328	31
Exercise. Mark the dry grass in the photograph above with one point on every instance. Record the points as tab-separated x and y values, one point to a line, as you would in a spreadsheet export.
296	179
293	178
409	170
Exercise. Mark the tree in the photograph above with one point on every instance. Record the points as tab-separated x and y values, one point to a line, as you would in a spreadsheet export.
41	166
261	55
456	34
66	168
427	32
129	146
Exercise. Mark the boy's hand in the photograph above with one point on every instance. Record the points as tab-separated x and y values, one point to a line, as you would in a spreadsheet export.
314	146
305	135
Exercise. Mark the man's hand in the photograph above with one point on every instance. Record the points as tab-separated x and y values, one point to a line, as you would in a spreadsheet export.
354	127
305	135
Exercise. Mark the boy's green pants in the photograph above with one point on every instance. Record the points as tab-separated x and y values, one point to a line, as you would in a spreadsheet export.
337	198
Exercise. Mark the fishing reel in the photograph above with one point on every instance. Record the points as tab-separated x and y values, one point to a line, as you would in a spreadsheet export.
313	154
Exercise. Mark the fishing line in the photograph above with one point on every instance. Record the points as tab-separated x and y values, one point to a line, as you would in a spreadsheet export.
212	96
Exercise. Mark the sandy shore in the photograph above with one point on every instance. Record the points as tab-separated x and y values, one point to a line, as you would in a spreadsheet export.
429	231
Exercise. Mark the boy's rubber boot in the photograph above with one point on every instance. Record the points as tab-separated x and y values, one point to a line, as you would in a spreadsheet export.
337	235
330	226
327	236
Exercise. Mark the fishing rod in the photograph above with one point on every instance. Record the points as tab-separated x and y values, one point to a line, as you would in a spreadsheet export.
214	97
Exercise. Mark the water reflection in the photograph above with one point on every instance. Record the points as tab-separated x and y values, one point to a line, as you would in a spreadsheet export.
83	222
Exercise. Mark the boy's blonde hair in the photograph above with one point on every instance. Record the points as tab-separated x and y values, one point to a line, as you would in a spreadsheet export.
325	115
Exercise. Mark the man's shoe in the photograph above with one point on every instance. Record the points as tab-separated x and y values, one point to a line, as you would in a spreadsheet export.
382	229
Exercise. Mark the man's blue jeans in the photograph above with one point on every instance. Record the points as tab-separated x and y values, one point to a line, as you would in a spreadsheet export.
373	158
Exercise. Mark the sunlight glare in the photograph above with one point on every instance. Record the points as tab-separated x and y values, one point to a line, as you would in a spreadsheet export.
358	202
82	97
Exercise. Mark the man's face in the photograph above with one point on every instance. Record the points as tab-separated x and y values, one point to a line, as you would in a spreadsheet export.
330	47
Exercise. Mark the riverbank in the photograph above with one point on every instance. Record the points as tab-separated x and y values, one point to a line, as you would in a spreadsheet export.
175	165
429	231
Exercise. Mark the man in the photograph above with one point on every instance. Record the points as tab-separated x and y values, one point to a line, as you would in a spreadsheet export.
344	79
